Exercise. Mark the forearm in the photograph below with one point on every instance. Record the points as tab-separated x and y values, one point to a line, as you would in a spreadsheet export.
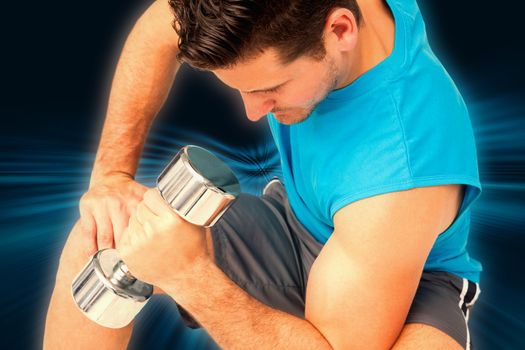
141	83
235	320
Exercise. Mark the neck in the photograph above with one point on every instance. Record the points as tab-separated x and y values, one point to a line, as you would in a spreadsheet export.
374	44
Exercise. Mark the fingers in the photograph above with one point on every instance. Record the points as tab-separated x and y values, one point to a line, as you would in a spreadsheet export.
104	221
105	211
145	214
134	226
89	228
124	239
156	204
134	233
96	224
140	190
119	220
104	229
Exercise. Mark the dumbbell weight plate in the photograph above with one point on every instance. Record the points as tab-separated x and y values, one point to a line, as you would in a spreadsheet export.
198	186
103	299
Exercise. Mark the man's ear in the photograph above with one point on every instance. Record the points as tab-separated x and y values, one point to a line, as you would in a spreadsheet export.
341	30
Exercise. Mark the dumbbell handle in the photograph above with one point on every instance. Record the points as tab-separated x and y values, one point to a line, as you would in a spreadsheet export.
121	275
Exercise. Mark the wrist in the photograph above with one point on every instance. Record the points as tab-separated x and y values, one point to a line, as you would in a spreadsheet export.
100	177
188	286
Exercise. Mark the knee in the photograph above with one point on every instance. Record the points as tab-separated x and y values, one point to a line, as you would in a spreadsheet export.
74	256
66	327
421	336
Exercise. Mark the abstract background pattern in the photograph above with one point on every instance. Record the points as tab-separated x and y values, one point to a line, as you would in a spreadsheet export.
56	64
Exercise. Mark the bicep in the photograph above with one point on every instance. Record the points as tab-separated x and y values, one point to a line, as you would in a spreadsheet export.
361	285
351	305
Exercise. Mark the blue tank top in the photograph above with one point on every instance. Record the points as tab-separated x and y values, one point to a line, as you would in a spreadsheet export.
403	124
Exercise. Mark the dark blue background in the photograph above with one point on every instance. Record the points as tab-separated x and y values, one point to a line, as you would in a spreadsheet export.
56	63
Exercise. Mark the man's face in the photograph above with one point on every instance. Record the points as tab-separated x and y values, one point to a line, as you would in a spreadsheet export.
290	92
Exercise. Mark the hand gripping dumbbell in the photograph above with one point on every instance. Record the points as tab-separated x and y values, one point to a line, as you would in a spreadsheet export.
199	187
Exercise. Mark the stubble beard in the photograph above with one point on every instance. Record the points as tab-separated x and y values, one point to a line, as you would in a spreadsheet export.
331	82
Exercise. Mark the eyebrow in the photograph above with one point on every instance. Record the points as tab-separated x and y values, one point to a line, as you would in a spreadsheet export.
266	89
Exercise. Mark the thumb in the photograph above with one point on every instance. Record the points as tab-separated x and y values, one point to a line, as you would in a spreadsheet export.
141	190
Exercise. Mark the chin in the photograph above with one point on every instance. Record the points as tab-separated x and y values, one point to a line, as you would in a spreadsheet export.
290	119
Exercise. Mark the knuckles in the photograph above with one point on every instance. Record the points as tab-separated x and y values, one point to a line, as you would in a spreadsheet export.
148	228
105	238
151	195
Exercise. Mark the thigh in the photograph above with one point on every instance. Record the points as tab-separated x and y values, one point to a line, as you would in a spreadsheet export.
417	336
255	247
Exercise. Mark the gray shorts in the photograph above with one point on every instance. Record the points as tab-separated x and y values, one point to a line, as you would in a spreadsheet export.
266	251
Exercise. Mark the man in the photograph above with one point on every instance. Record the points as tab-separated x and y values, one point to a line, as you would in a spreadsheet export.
362	247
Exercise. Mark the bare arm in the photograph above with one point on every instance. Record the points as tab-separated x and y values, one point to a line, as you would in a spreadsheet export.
141	83
142	80
361	285
359	289
144	75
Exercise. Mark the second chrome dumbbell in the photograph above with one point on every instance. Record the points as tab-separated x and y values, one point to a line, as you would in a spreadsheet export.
199	187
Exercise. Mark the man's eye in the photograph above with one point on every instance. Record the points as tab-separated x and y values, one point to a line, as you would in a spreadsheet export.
271	90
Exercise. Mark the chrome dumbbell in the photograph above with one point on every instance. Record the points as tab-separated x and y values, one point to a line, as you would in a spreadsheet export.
199	187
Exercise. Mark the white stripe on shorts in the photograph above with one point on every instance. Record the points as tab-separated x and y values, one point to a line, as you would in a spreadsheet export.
475	296
464	290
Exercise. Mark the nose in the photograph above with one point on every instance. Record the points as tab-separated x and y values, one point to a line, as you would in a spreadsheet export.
256	107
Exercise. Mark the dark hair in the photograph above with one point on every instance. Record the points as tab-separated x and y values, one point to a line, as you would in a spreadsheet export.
220	33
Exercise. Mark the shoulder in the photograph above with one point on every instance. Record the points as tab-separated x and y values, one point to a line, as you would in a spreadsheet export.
412	138
435	122
431	208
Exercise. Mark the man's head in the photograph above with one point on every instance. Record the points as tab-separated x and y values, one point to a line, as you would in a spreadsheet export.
283	56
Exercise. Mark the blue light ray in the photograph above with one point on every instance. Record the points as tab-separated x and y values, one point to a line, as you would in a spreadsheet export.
42	180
